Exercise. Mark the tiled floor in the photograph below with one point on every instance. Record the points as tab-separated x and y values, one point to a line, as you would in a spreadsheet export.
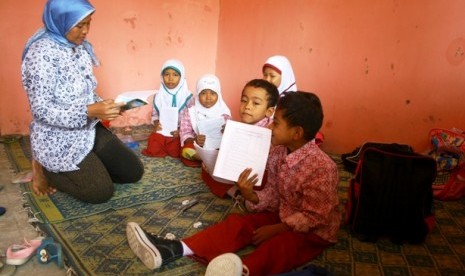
14	226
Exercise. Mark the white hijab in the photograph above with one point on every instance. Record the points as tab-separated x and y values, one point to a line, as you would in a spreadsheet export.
198	112
176	97
282	65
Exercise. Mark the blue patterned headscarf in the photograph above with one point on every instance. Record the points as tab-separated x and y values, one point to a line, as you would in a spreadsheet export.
59	17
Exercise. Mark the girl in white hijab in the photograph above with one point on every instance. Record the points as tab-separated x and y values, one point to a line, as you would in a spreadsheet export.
278	70
209	105
172	95
172	92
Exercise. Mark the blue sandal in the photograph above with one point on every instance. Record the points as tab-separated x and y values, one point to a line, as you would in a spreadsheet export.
50	251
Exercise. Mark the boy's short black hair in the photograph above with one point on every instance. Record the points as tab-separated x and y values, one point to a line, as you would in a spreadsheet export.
302	109
271	90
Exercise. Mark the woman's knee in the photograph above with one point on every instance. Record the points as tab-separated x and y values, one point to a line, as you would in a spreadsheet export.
96	195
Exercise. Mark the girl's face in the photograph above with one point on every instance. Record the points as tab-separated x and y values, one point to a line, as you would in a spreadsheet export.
272	76
254	105
208	98
78	33
171	78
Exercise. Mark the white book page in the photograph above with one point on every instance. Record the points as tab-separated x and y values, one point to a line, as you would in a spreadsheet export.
211	128
243	146
209	157
169	120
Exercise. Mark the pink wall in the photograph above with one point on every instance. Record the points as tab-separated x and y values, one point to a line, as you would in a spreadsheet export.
132	39
384	70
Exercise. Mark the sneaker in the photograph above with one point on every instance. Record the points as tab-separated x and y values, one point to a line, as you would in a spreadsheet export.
152	250
20	254
227	264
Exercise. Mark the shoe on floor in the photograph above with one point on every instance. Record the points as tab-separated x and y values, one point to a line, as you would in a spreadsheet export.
18	254
227	264
152	250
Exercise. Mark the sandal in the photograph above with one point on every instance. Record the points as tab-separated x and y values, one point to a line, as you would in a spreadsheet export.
50	252
18	254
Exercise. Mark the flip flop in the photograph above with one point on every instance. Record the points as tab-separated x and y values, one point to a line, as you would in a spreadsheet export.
18	254
2	210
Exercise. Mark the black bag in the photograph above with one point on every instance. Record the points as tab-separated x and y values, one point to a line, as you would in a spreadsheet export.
350	160
391	195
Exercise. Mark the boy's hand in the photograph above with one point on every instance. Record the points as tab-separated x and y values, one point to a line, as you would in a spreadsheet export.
156	126
268	231
200	139
175	133
246	183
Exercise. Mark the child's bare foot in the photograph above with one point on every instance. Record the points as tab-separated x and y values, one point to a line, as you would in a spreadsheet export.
39	182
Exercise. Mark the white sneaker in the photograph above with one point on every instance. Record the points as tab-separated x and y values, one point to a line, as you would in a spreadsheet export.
227	264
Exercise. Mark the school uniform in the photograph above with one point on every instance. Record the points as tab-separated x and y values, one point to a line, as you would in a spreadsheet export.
159	145
302	193
192	116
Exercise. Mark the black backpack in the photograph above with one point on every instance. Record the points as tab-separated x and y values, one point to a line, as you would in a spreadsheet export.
391	195
350	159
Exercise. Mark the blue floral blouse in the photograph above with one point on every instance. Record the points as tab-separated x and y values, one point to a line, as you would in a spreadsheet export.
60	83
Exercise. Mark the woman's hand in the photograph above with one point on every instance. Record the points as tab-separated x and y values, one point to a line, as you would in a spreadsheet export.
200	139
268	231
246	183
104	110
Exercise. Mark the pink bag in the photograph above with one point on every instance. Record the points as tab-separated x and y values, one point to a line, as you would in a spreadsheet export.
449	152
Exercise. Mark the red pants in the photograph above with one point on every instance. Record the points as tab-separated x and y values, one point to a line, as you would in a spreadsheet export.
279	254
161	146
219	189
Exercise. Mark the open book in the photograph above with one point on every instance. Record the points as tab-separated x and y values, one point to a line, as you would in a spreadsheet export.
243	146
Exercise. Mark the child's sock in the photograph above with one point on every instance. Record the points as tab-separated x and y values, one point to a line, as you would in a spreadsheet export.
232	192
186	251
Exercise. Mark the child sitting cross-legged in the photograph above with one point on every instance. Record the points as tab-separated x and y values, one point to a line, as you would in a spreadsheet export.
258	100
294	218
209	106
173	95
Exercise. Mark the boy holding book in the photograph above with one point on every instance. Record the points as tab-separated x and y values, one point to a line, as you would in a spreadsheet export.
258	101
294	217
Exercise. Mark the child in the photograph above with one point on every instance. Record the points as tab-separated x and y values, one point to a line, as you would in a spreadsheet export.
258	100
209	105
295	216
172	95
278	71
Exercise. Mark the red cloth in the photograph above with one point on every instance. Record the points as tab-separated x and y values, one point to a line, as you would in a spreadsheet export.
161	146
278	254
217	188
